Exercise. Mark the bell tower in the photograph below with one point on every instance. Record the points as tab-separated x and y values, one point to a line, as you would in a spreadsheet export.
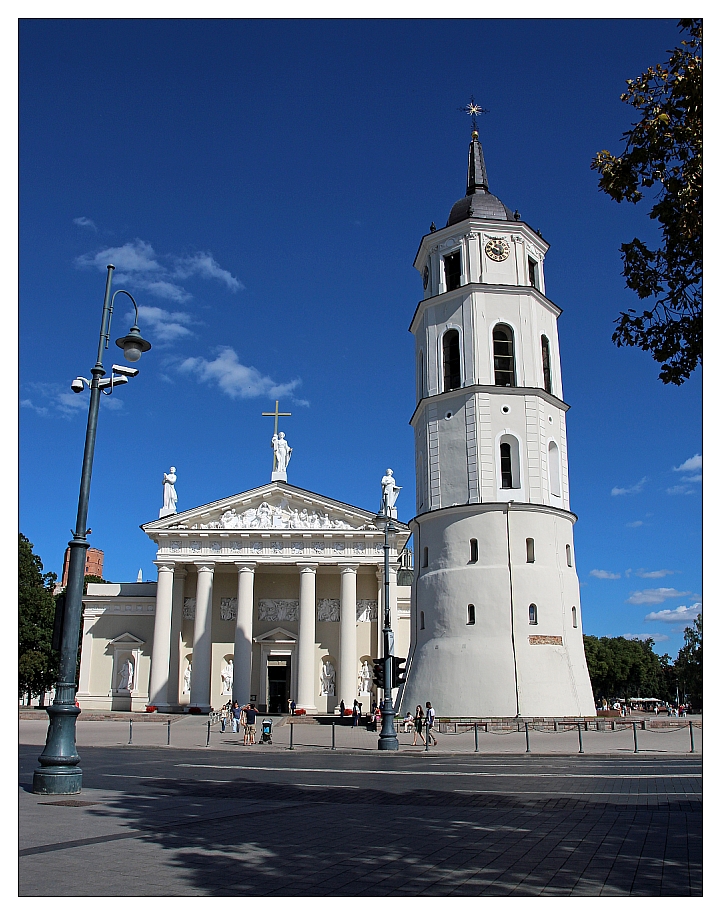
496	615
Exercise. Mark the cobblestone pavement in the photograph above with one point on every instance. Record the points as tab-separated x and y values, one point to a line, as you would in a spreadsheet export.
262	821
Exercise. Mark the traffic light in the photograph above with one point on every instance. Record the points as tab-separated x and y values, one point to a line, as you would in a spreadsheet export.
379	673
399	671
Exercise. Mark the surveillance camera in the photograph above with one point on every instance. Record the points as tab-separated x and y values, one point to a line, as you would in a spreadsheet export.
125	370
77	385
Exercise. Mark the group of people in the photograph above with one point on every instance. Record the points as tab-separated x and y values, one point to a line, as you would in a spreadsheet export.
419	721
244	717
373	718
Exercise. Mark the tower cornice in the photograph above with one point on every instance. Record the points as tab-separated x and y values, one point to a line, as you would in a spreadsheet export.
488	389
492	289
481	507
475	225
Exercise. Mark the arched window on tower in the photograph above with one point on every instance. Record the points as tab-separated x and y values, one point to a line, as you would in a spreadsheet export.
546	358
504	363
509	462
530	550
451	360
471	618
574	617
425	558
532	615
474	550
423	620
554	469
452	270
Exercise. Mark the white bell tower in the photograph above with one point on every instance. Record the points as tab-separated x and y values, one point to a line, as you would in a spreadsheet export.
496	616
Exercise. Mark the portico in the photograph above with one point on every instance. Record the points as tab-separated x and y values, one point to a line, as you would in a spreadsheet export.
269	595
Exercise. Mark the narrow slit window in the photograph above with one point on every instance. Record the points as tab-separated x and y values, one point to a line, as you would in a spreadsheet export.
554	469
533	273
506	466
423	620
474	551
533	615
568	555
530	550
452	268
471	621
504	364
546	358
425	557
451	360
574	617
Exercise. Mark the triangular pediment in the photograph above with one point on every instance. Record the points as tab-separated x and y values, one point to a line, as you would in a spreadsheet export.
127	639
276	635
276	506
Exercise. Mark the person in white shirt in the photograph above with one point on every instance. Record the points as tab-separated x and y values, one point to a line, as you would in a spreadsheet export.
430	719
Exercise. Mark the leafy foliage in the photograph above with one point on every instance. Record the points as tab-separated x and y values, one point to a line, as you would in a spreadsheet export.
664	151
689	664
621	668
37	665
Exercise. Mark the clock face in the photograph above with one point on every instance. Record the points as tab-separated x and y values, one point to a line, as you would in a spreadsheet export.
425	277
497	249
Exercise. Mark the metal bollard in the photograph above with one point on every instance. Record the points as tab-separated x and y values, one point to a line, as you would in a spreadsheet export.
332	726
580	739
291	747
690	731
475	734
635	738
168	732
207	739
486	727
131	734
613	724
555	725
528	740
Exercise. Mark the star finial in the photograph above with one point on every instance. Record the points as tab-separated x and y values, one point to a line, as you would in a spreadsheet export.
473	110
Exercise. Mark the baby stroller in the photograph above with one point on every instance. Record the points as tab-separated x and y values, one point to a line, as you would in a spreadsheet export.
266	727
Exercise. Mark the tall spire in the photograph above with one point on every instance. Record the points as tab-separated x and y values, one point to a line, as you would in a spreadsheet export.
477	175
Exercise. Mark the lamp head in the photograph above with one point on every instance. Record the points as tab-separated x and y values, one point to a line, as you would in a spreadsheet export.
133	345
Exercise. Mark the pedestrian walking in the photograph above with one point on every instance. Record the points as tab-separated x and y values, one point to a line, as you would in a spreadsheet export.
292	707
356	713
431	718
235	714
342	708
418	720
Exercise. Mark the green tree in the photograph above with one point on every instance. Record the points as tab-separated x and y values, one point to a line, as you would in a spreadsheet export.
689	664
664	151
37	664
620	668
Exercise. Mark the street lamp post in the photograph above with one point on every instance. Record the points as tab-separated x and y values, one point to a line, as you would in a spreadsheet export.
59	772
388	739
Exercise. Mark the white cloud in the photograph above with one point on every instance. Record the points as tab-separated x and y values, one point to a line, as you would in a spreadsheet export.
204	264
165	326
660	573
136	262
601	573
654	595
656	636
696	478
681	490
680	614
85	223
693	463
234	378
637	487
635	524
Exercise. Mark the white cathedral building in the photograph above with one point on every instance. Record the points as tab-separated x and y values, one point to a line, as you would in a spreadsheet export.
274	594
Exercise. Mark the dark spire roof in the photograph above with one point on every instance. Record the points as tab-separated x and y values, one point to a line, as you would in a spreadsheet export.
478	202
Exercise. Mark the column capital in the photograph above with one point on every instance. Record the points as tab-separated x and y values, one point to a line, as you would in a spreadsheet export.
204	566
307	566
245	566
164	566
348	566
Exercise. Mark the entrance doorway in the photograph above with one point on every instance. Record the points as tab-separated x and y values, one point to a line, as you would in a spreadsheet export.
278	685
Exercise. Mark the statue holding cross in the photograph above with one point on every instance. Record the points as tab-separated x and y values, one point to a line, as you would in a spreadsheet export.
281	450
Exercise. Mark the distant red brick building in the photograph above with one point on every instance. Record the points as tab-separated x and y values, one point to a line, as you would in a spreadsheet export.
93	564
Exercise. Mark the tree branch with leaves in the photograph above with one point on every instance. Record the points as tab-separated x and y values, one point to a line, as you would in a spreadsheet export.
664	152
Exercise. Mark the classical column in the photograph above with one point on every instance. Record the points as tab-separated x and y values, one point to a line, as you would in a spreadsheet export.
202	642
379	627
86	653
176	624
307	679
243	650
393	581
348	675
160	660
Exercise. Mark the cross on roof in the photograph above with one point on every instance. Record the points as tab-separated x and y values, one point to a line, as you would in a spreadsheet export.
473	110
276	414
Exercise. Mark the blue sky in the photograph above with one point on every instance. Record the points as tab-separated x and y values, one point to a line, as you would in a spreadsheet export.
262	187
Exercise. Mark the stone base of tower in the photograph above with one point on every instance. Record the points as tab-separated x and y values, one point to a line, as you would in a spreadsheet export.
496	627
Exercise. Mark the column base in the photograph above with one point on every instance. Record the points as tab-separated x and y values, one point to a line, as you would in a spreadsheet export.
387	743
279	476
58	780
